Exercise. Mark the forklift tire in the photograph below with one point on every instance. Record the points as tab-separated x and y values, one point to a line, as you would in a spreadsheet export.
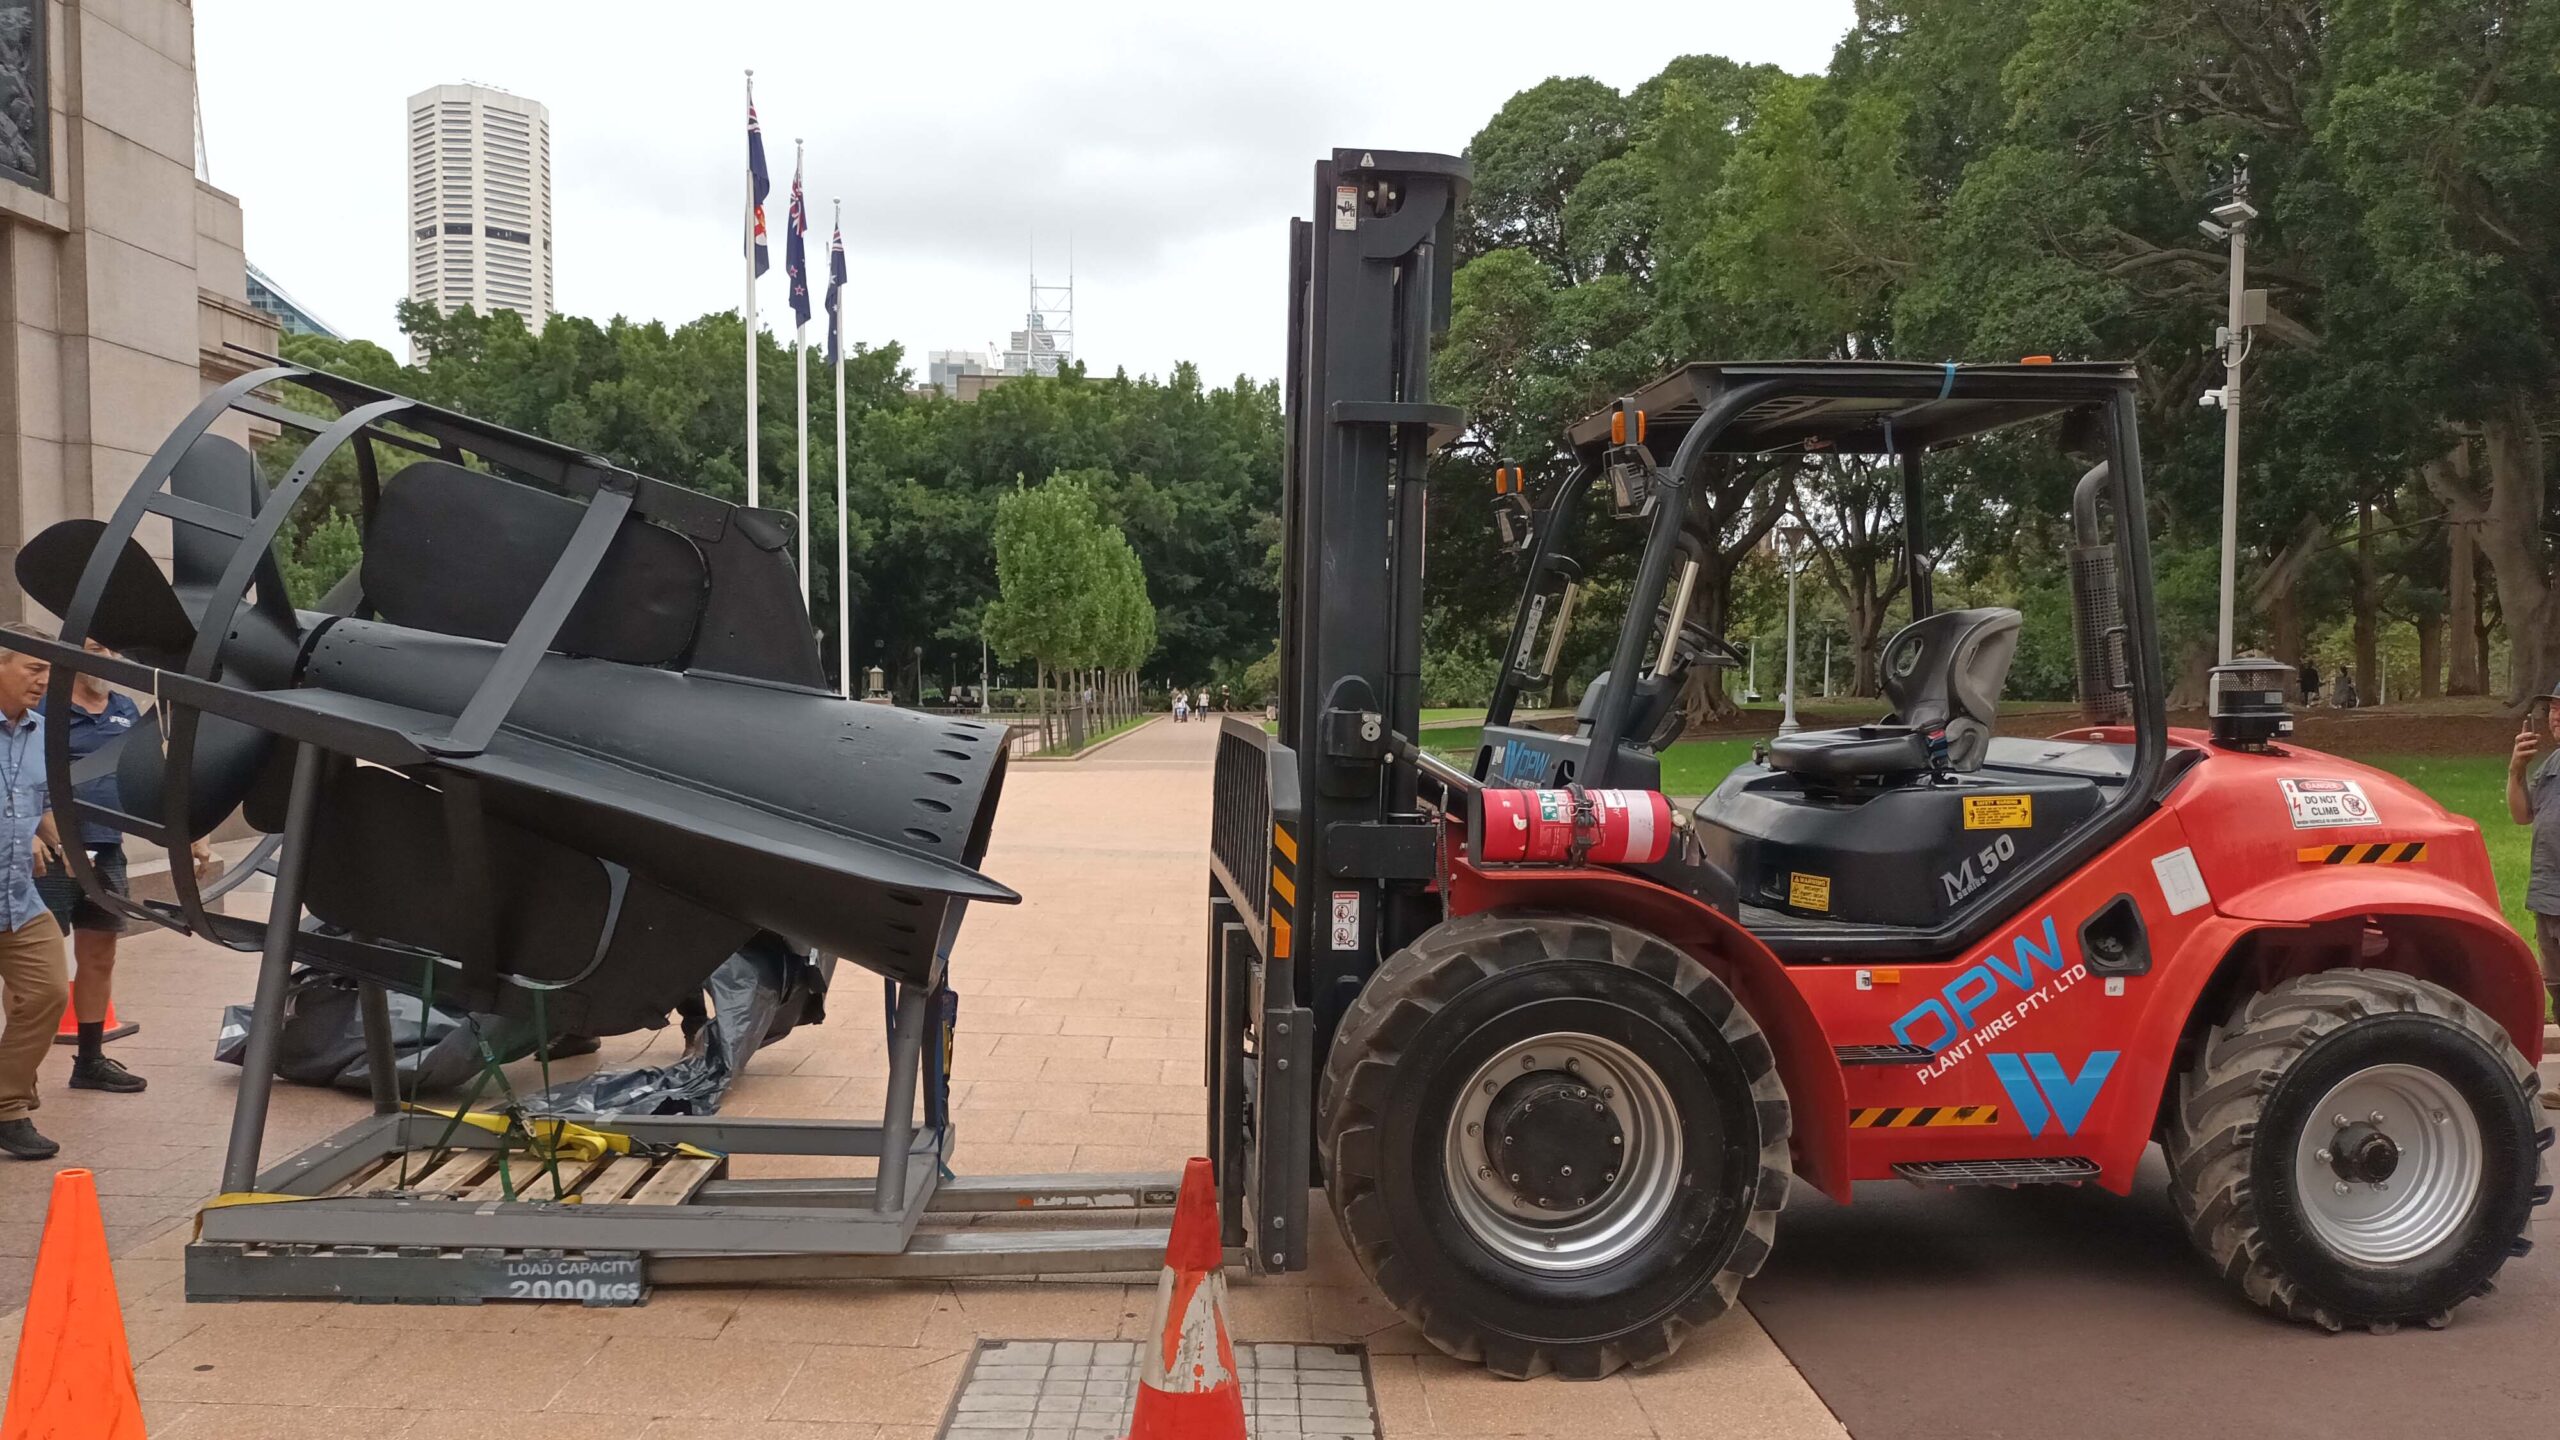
1651	1068
2358	1148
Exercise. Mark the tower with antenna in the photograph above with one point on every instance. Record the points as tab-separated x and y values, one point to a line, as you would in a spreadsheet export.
1047	339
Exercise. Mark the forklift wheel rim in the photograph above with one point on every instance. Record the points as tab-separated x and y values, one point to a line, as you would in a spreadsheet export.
2435	1171
1636	1203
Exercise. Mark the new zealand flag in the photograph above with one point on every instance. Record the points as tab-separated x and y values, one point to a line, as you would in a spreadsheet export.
835	296
763	184
795	252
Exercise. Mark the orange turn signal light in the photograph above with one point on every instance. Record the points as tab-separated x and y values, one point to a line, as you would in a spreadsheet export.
2035	359
1618	427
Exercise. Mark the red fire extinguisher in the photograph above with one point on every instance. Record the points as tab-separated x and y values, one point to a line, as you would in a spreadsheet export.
1574	826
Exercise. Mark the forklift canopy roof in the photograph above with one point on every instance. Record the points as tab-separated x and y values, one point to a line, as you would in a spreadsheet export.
1859	406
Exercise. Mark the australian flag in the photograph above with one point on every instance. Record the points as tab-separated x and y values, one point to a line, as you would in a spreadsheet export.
762	183
795	251
835	296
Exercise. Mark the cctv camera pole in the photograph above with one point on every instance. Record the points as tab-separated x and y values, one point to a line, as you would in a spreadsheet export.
2235	349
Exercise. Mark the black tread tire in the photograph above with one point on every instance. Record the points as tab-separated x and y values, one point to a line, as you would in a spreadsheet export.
1393	1012
2212	1146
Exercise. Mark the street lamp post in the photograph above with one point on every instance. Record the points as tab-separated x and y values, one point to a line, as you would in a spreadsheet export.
2248	308
1790	547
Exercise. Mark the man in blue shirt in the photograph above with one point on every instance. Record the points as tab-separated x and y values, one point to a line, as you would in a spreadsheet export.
34	984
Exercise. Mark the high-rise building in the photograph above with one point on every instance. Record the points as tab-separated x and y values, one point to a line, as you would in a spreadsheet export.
480	201
1047	339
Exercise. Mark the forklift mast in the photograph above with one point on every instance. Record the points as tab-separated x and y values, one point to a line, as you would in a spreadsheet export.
1320	864
1368	290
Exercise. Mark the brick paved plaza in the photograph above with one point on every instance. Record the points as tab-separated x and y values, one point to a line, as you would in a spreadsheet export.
1079	1049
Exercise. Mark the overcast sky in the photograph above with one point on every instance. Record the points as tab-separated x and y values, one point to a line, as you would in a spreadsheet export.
1168	142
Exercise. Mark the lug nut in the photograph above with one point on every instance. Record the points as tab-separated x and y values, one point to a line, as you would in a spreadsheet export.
2342	1187
1473	1128
1609	1179
1488	1087
1617	1139
1528	1062
2441	1117
2381	1184
2375	1117
1568	1170
2321	1154
1515	1179
1484	1172
2341	1119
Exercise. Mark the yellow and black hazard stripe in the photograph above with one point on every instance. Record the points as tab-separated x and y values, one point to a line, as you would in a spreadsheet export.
1284	886
2403	852
1912	1117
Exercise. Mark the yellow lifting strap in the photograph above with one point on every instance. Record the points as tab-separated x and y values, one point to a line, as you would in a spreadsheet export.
549	1137
559	1139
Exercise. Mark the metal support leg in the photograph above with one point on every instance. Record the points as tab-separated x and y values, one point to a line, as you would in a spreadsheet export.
381	1062
266	1025
898	1110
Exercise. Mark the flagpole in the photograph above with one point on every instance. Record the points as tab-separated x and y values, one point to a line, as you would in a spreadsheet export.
800	357
844	570
747	308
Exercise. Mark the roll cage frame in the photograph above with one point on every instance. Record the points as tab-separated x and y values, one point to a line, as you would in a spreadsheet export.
1898	409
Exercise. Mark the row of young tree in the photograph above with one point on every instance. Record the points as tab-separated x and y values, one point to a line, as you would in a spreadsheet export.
1071	599
1185	476
1987	179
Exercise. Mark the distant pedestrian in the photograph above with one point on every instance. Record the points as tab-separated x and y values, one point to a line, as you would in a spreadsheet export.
1181	708
1225	701
35	985
2310	682
2342	693
2533	798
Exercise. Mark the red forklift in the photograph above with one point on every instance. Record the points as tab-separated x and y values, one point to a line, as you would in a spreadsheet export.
1556	1049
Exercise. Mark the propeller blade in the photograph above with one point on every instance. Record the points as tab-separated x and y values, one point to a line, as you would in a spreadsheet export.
99	763
219	473
139	614
229	757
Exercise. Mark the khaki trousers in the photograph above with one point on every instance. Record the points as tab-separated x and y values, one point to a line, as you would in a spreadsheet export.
35	985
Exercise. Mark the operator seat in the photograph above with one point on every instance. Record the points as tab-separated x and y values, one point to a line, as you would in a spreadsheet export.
1943	675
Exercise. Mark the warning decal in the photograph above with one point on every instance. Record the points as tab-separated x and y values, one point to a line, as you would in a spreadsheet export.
1999	812
2318	804
1910	1117
1346	919
1808	892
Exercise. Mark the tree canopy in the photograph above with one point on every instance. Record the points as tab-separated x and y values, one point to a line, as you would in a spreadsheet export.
1185	476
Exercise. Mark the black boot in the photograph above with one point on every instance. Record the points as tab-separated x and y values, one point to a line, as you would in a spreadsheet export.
102	1073
18	1139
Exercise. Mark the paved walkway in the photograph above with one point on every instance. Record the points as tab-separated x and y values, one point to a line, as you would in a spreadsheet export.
1079	1049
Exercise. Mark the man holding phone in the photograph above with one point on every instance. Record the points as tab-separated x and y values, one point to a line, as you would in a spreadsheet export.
2533	798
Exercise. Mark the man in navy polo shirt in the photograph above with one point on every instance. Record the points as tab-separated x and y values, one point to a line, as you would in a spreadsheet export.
98	717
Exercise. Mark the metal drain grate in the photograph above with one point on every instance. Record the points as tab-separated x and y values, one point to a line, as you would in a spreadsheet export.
1083	1390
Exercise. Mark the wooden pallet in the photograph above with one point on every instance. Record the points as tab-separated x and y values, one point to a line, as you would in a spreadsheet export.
474	1176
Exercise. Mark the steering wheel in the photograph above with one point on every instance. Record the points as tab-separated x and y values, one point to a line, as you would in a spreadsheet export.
1698	645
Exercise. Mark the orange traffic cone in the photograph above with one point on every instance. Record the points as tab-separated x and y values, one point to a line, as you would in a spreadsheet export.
74	1376
1187	1382
69	1033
